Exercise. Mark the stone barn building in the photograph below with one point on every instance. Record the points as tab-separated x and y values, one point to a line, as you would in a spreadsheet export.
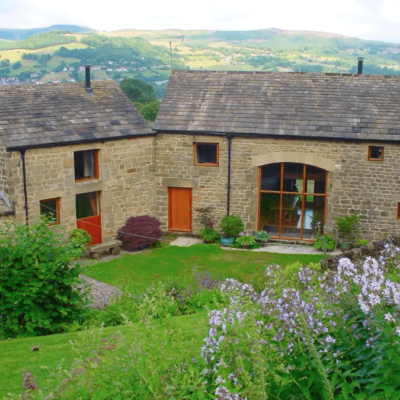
85	155
281	150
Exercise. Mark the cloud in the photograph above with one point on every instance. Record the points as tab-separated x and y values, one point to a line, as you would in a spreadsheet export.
369	19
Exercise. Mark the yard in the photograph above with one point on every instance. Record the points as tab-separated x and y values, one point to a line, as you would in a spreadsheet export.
168	262
17	356
277	330
141	270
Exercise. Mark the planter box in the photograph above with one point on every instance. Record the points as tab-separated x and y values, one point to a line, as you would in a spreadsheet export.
227	241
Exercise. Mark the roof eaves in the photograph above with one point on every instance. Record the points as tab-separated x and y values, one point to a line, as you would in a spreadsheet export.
56	144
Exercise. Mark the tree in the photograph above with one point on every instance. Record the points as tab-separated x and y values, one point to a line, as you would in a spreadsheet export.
38	284
137	90
17	65
5	63
148	110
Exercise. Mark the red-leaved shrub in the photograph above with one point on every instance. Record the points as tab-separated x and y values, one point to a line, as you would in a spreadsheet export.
139	232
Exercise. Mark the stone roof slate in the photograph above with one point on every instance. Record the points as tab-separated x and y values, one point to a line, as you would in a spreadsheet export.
339	106
65	113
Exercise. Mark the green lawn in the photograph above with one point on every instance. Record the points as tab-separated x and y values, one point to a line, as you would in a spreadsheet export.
17	357
143	269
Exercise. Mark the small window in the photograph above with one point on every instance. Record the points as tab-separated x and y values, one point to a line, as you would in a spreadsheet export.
51	208
206	154
86	165
375	153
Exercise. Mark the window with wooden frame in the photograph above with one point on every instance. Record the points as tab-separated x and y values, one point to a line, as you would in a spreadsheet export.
86	165
51	209
375	153
398	210
206	154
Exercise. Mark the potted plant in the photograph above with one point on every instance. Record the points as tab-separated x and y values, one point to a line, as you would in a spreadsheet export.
262	237
327	240
231	225
245	241
209	235
348	230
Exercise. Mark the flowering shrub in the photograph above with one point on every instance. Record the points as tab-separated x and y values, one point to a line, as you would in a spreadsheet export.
309	334
139	232
332	335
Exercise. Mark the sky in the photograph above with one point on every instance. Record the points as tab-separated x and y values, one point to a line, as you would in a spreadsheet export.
366	19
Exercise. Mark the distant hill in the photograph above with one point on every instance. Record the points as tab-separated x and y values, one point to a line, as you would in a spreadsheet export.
21	34
59	52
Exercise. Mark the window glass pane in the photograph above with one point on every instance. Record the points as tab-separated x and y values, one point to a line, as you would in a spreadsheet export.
292	173
49	209
206	153
269	213
85	164
376	153
315	180
86	205
271	177
313	216
291	216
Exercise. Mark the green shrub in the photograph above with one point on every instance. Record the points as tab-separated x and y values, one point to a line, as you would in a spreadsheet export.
79	238
348	227
209	235
38	292
232	225
245	240
361	242
330	242
262	236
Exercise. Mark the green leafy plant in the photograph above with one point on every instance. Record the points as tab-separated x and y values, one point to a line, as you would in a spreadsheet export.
316	224
262	236
245	240
231	225
361	242
330	242
209	235
38	292
348	227
79	238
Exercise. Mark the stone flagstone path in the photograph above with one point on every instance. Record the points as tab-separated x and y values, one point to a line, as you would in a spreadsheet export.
101	293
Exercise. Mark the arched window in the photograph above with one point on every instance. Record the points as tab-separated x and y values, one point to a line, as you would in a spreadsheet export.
292	200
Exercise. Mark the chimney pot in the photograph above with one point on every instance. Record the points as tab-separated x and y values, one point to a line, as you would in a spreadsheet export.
360	65
87	71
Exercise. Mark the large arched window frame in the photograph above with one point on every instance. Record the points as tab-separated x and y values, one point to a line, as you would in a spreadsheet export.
290	195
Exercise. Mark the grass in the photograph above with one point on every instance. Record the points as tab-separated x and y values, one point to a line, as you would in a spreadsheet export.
17	356
143	269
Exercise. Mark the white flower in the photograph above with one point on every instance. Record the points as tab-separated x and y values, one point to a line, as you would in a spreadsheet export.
389	317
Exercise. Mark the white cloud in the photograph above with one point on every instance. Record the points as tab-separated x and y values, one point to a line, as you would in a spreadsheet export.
368	19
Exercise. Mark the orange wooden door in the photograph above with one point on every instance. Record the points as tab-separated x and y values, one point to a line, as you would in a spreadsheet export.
92	225
180	209
88	215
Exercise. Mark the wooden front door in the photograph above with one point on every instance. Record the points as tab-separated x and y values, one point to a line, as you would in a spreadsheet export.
88	215
180	209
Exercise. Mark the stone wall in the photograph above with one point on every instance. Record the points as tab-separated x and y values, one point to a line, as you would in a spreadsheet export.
175	168
355	185
126	181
